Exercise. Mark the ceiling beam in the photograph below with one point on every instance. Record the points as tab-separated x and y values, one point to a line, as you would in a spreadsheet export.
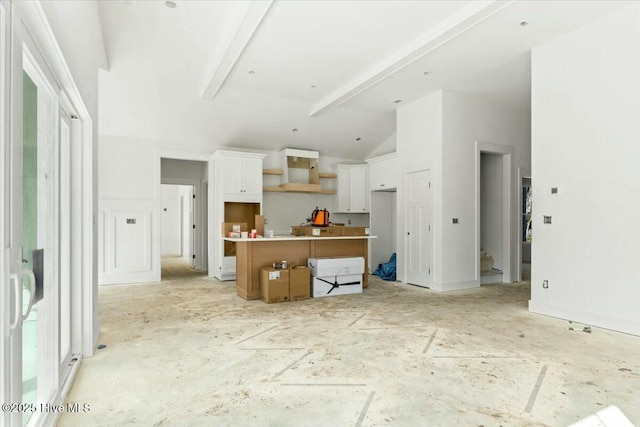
242	34
461	21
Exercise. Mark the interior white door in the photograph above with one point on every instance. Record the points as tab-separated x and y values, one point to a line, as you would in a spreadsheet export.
418	228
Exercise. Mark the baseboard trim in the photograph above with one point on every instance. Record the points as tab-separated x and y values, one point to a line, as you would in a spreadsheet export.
455	286
618	324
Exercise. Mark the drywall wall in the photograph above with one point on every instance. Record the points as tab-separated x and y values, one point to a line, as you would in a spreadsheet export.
443	132
419	147
127	204
491	207
585	109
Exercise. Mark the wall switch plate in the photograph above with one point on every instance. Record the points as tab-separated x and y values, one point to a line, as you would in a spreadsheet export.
554	190
547	219
131	220
455	220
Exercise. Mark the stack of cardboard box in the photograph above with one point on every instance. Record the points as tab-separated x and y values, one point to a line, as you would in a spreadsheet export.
284	284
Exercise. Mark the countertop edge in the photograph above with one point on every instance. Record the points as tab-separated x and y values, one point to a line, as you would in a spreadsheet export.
281	239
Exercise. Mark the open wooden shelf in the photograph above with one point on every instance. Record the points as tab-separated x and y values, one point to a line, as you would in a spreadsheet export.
328	175
278	189
272	172
325	175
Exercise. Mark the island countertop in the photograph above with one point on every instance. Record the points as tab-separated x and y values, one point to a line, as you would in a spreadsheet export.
279	238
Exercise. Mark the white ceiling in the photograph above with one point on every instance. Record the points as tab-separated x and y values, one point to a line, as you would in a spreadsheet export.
360	56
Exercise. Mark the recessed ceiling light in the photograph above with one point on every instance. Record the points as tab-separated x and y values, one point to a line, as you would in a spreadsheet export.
524	24
252	72
294	130
397	101
312	86
170	4
427	73
358	139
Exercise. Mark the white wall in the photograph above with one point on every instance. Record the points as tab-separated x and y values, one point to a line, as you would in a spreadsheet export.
126	190
419	147
585	110
491	206
441	132
130	173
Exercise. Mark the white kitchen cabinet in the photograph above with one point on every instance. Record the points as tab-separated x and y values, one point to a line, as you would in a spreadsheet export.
352	196
383	173
235	195
241	175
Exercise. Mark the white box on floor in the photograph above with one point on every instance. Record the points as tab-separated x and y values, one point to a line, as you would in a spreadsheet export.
329	286
335	266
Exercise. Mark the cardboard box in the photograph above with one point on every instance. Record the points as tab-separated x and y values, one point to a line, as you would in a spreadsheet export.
355	231
337	285
335	266
299	283
274	285
330	231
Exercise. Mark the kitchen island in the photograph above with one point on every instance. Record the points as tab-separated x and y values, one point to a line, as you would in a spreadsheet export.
253	254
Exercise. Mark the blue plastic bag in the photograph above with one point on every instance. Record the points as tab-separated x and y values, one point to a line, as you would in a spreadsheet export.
387	271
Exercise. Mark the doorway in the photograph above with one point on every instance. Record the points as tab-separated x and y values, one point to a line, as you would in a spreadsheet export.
177	227
526	229
494	213
183	211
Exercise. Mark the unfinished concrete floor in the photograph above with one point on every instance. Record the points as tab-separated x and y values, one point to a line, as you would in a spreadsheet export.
190	352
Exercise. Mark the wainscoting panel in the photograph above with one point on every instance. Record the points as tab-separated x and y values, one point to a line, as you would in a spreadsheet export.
126	231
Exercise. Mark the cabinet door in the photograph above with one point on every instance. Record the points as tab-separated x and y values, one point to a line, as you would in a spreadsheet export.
252	176
358	189
343	190
391	173
232	175
377	176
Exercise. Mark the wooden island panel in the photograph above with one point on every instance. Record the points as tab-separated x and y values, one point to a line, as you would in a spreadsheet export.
253	254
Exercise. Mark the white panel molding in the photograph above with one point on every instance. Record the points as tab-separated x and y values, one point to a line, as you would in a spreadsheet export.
242	35
456	24
148	270
141	228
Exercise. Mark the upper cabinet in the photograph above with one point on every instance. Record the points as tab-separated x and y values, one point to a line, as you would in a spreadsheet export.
383	173
352	189
239	175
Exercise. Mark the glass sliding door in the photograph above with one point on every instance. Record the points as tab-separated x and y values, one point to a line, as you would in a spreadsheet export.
34	236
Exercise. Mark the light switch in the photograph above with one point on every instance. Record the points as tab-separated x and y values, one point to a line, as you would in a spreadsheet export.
455	220
547	219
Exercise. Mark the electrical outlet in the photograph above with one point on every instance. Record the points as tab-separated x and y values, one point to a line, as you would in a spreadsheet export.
547	219
545	284
455	220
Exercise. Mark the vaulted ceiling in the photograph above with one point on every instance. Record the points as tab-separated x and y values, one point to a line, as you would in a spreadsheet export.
319	75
